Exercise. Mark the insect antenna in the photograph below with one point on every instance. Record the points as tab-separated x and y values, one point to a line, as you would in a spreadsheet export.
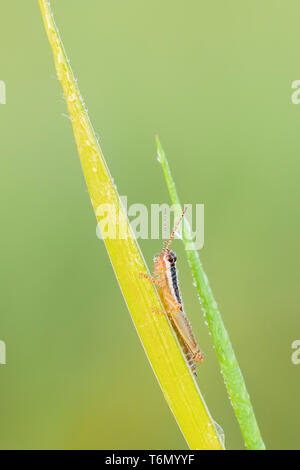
165	229
174	229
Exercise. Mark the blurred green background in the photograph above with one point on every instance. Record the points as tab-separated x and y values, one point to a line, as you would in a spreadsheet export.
214	80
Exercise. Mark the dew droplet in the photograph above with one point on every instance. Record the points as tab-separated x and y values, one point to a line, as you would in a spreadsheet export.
220	432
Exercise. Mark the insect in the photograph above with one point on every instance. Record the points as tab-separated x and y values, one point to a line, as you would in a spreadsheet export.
165	278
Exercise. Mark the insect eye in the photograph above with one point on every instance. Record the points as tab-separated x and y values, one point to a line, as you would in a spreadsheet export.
172	258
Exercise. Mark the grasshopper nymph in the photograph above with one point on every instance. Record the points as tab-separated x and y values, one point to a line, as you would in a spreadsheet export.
165	278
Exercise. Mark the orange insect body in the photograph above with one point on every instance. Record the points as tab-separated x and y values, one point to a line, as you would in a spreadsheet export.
165	277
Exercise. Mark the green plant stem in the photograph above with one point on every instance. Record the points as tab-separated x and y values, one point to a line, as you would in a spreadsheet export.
231	371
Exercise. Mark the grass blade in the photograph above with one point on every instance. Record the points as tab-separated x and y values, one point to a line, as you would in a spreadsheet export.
173	375
232	374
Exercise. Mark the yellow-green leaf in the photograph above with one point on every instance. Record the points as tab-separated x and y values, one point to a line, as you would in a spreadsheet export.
178	385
